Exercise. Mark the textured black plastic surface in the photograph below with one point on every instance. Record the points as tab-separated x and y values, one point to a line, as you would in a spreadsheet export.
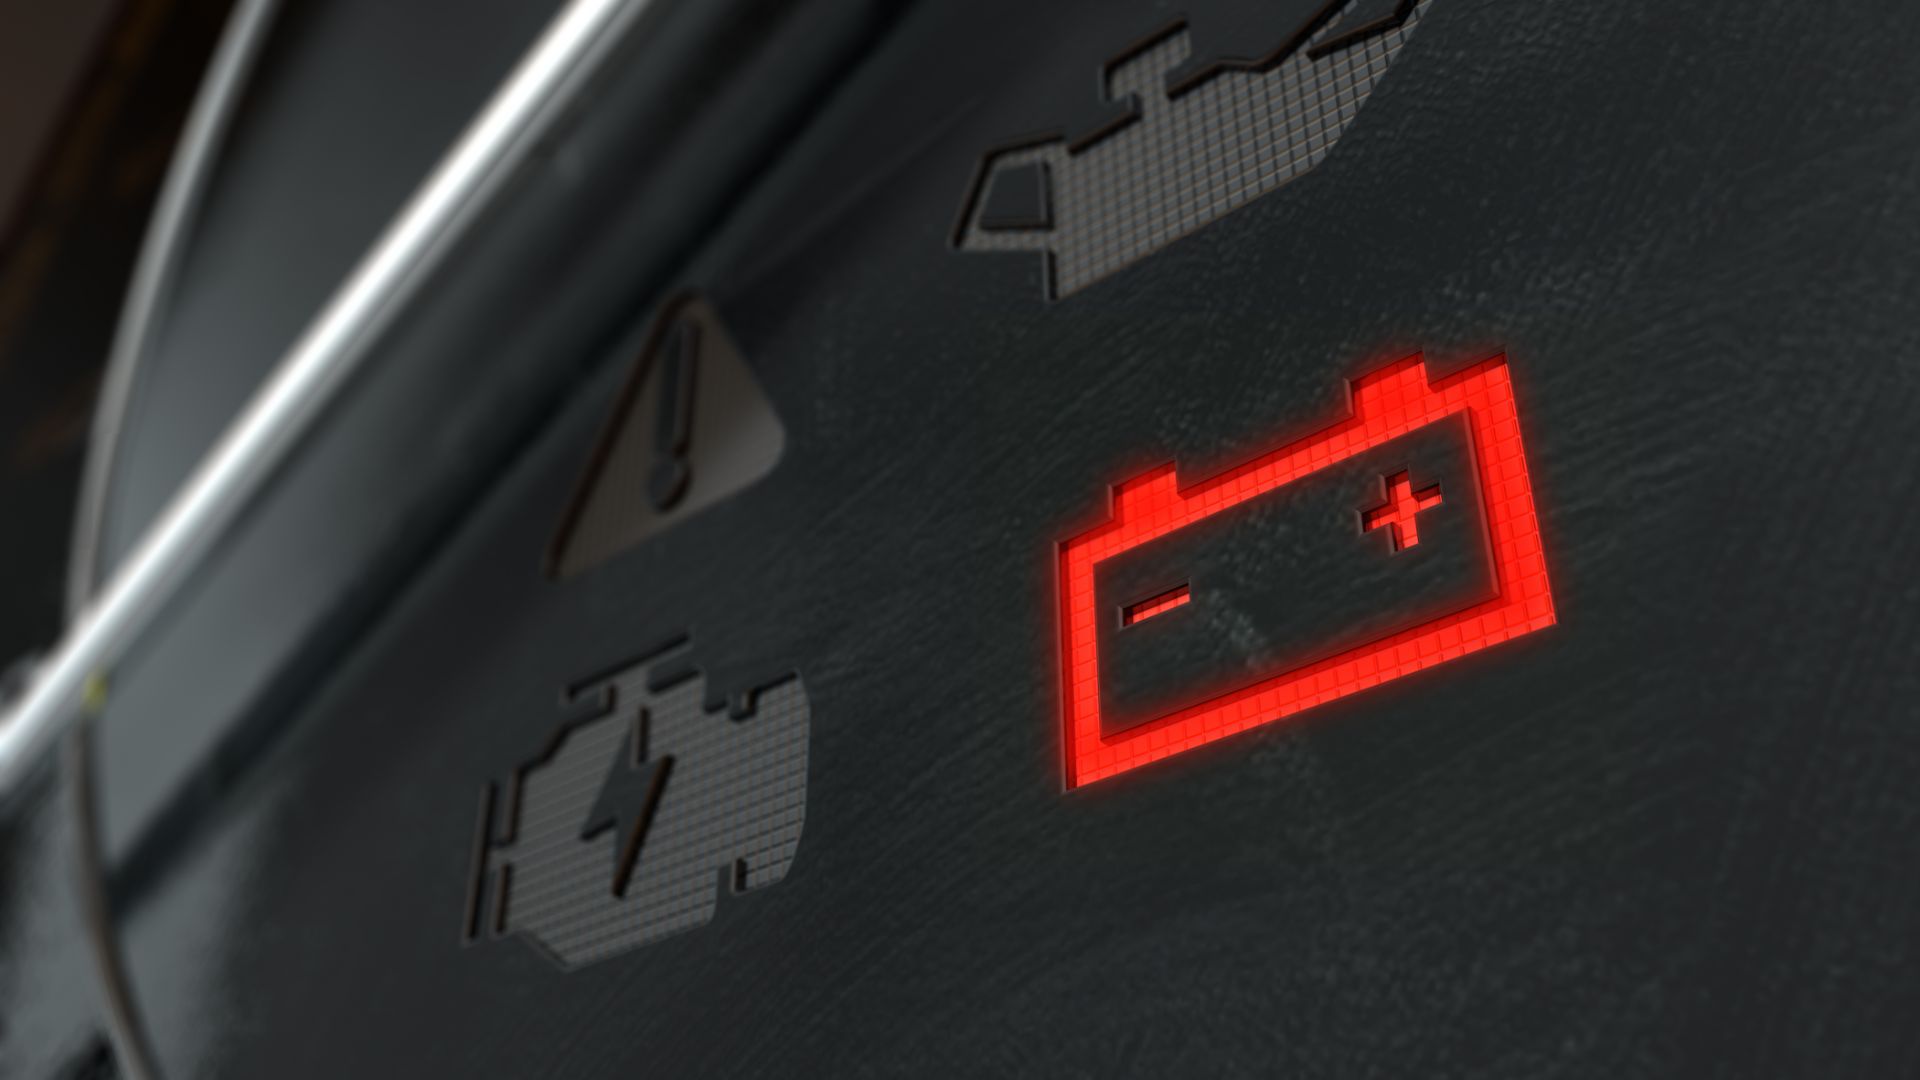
477	363
51	1024
1671	835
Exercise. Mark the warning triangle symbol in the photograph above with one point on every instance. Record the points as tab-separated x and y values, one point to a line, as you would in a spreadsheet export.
690	428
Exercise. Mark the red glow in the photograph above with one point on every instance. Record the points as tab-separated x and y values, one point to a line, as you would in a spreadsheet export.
1387	403
1401	513
1147	609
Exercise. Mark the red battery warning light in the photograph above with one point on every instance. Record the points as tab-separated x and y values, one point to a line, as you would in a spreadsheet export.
1386	404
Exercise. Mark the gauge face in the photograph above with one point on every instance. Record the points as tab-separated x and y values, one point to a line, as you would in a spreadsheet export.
1332	537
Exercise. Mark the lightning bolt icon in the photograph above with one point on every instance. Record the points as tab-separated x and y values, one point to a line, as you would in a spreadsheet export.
628	799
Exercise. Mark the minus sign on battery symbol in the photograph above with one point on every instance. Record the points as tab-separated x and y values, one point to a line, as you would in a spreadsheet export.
1157	604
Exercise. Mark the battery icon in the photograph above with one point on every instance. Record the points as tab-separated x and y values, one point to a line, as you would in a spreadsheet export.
1393	540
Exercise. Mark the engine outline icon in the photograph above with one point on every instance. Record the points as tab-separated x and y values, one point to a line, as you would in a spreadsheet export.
639	811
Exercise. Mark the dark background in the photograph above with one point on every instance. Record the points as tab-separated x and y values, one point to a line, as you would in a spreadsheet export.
1671	835
92	95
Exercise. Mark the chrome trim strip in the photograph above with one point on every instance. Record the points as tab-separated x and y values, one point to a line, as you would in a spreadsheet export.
313	372
153	274
228	72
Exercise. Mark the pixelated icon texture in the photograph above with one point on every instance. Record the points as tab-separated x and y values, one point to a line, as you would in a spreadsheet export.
728	815
1387	404
1187	160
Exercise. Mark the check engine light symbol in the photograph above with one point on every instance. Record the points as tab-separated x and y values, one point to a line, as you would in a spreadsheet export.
1400	515
1273	539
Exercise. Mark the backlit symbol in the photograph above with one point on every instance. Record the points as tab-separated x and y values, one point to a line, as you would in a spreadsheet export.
1155	605
1395	539
1400	515
641	809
